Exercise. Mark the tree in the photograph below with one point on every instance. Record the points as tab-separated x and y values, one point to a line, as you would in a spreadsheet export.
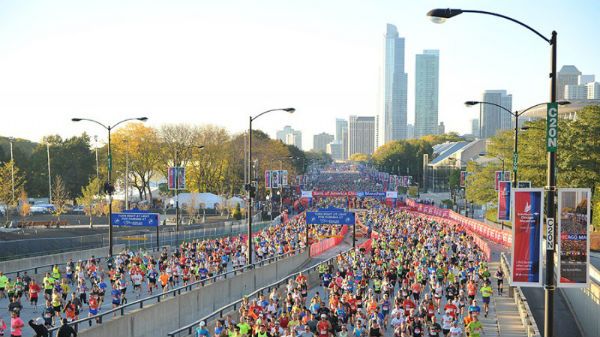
6	186
70	158
141	145
24	206
60	196
359	157
90	197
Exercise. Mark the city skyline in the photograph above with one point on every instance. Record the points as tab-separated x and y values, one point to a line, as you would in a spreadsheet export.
102	62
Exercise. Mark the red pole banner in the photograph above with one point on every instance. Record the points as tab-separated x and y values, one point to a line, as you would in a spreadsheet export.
574	237
504	200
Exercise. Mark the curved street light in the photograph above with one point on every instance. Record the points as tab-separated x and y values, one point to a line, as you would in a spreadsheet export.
250	188
108	185
516	115
440	15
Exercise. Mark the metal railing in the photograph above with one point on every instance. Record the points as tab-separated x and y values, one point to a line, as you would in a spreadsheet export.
139	304
18	249
234	305
524	311
148	242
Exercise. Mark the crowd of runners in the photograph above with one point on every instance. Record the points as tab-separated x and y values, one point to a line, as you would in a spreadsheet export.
418	278
81	289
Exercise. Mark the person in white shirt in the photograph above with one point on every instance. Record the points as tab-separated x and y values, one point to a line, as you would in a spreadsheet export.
446	323
455	330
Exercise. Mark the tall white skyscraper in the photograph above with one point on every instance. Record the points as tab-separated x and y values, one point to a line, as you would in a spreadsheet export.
361	135
392	119
427	68
475	127
340	125
492	117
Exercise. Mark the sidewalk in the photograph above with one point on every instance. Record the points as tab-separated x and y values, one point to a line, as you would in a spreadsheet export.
504	319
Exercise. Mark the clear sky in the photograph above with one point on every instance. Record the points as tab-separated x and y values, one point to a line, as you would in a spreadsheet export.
219	61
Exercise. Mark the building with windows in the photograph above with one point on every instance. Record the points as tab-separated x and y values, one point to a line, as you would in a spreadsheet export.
427	68
494	118
361	135
290	136
567	75
321	140
391	122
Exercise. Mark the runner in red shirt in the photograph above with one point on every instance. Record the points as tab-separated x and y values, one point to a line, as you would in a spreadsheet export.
323	327
34	290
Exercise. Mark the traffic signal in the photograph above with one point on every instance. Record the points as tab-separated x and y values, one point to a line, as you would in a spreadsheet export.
108	188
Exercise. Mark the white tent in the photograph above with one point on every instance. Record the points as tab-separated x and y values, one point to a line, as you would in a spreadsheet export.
206	200
233	201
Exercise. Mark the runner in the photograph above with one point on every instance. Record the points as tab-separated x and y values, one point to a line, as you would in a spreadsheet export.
500	279
486	294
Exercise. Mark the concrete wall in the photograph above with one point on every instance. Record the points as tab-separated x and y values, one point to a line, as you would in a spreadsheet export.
585	304
32	262
161	318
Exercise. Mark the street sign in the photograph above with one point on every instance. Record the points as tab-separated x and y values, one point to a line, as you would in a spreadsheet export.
329	217
515	161
135	219
524	184
552	127
550	234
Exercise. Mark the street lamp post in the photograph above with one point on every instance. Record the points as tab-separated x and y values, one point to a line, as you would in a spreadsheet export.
12	167
176	164
49	174
108	186
250	188
440	15
516	115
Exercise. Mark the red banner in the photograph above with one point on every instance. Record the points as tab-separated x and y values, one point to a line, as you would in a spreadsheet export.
333	193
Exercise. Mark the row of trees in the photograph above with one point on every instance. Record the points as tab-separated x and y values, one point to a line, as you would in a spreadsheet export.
405	157
578	158
143	154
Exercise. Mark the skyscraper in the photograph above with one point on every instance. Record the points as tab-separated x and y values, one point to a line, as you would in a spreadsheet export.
392	119
492	117
475	127
361	135
290	136
340	125
567	75
427	69
321	140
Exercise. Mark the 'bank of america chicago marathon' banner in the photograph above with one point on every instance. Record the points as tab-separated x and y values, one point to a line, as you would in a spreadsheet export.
573	231
504	200
527	214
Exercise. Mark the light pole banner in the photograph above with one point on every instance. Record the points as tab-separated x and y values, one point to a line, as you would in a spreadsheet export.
497	178
176	178
275	179
573	237
463	178
527	214
267	179
504	200
284	177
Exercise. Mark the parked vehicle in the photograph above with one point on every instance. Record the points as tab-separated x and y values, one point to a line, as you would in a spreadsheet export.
42	209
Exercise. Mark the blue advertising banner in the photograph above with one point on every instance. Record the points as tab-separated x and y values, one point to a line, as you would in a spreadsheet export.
528	211
135	218
330	218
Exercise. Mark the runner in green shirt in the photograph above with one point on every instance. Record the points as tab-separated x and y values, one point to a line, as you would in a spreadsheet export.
486	293
3	283
474	328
